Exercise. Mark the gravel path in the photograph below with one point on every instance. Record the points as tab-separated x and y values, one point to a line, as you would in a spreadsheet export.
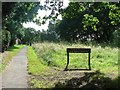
15	75
0	81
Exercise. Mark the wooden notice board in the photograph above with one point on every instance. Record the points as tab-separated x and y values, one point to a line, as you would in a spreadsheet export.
78	50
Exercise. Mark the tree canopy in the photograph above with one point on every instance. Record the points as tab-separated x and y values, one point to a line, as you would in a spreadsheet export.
81	21
94	21
13	15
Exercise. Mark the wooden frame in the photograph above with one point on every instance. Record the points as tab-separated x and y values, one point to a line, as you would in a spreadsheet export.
78	50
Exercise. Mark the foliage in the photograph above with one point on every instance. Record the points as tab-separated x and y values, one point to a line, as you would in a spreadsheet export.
100	19
14	14
84	21
20	11
116	37
50	34
0	40
114	14
29	35
90	21
6	38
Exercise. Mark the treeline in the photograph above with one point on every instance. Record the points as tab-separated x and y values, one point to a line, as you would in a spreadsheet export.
87	21
99	21
13	15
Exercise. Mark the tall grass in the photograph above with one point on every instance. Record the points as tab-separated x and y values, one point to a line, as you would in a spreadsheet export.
104	59
46	62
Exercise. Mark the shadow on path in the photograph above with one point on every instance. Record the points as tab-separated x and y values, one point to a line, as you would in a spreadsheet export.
93	81
12	48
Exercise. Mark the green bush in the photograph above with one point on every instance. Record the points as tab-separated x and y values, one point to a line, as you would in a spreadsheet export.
0	40
116	37
6	38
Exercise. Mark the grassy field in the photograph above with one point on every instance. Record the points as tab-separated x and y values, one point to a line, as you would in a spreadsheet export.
8	55
48	60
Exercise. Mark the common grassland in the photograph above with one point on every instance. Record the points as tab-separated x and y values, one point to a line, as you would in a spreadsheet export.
48	60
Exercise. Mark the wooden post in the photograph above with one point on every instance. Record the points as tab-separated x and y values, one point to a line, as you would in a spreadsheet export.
67	60
89	61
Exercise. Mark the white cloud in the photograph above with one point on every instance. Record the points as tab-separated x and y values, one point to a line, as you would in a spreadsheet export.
41	14
65	3
35	26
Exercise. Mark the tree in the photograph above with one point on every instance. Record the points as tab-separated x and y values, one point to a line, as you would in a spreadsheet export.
89	20
29	35
14	14
6	38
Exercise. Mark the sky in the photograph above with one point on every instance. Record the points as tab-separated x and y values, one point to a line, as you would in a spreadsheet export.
42	13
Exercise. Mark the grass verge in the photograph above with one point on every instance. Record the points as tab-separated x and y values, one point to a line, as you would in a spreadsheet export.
34	65
35	68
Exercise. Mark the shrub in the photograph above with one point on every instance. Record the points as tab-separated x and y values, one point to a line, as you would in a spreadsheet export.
116	37
0	40
6	38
